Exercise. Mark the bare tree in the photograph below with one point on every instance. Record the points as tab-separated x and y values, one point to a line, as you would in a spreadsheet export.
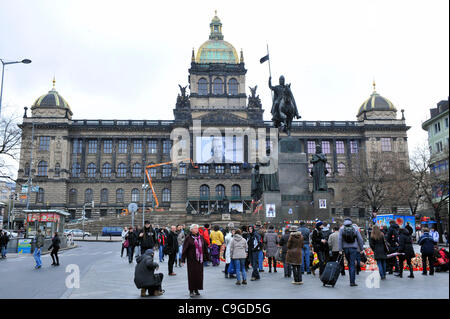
10	138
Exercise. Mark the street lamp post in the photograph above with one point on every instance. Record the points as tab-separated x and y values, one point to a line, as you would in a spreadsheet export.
26	61
144	188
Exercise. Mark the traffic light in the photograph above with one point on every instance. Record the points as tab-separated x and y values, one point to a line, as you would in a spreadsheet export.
16	196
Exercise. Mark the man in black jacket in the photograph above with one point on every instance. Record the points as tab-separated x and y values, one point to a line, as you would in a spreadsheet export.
172	248
147	237
132	239
320	246
3	243
145	277
392	239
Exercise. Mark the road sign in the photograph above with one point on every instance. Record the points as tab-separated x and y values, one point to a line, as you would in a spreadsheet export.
133	207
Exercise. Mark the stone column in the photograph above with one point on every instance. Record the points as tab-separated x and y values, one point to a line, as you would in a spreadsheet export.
335	163
129	157
349	155
83	157
114	147
99	154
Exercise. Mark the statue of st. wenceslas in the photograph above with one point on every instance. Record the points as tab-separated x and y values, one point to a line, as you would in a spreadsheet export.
284	108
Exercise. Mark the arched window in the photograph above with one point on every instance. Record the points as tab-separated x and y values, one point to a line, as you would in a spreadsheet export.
119	195
135	195
42	168
235	191
73	196
202	87
91	170
88	195
122	170
204	192
220	191
136	172
218	86
341	168
166	195
57	169
149	193
233	87
104	196
40	196
27	169
76	170
106	170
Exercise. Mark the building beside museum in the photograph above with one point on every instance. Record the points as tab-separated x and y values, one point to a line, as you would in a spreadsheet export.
75	161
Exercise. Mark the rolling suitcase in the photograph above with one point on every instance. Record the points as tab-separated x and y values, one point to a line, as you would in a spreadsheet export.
331	272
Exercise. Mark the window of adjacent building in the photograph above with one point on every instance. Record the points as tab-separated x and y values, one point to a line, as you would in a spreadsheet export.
103	212
137	146
135	195
76	170
236	191
40	196
121	170
217	86
235	169
202	87
311	147
340	148
123	146
346	211
27	169
107	146
88	195
386	144
137	169
44	143
91	170
57	169
106	170
341	169
220	191
204	192
152	146
42	168
166	171
104	195
148	197
233	87
73	196
204	169
92	147
326	149
439	147
77	146
166	195
153	171
220	169
182	169
167	145
437	127
446	122
353	147
119	195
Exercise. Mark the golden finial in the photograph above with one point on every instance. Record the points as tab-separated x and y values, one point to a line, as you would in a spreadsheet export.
242	56
54	82
215	12
374	85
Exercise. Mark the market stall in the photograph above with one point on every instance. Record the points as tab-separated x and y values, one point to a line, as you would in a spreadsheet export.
48	221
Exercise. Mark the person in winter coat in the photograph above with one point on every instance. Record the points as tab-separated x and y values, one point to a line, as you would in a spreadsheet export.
124	234
320	246
405	247
132	242
37	250
195	251
3	243
380	250
409	228
56	242
294	254
162	241
392	239
261	231
180	238
245	235
254	247
350	240
147	237
172	248
229	267
204	232
306	252
238	253
217	240
145	277
333	242
271	241
137	231
283	243
426	243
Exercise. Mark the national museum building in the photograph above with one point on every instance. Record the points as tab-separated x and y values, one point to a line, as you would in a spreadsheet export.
76	161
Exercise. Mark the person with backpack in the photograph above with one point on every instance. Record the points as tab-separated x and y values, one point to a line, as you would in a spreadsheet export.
426	243
349	241
306	250
392	239
406	248
254	247
320	246
380	250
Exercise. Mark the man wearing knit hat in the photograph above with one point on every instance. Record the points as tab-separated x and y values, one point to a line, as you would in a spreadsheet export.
320	246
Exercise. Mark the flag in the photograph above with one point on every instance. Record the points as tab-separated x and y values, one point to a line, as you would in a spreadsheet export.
264	59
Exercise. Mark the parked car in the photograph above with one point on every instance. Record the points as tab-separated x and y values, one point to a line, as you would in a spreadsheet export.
67	231
112	231
78	233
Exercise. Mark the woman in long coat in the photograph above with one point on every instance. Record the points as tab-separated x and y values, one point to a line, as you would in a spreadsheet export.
380	250
405	247
195	250
271	241
294	254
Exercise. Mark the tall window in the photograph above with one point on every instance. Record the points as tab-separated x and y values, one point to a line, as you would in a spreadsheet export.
91	170
326	149
137	169
135	195
204	192
88	195
232	87
341	169
220	169
40	196
42	168
77	146
153	171
104	195
234	169
76	170
27	169
446	122
122	170
137	146
182	169
386	144
220	191
152	146
236	191
166	171
73	196
106	170
122	146
340	149
44	143
57	169
439	147
353	147
167	145
311	147
166	195
437	127
92	146
202	87
107	146
119	195
217	86
204	169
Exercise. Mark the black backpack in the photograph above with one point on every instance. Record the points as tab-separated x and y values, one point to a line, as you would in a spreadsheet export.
349	234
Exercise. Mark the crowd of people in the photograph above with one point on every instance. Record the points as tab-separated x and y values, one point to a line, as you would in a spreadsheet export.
299	249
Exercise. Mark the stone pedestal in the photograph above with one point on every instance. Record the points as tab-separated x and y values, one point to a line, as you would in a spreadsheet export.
270	198
322	203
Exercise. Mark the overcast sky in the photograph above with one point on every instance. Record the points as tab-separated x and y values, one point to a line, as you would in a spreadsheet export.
125	59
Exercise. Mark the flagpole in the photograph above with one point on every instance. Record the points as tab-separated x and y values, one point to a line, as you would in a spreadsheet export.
270	72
